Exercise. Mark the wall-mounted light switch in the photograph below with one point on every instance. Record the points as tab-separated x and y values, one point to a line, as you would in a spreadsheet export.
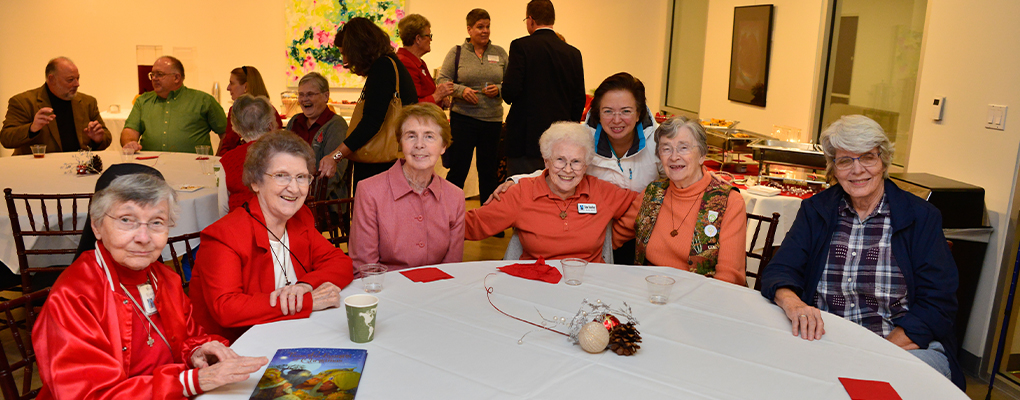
996	117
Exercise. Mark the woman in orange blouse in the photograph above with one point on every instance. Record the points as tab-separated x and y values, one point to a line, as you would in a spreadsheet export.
562	213
691	220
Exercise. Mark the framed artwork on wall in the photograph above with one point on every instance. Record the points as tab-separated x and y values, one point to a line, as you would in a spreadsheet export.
750	54
311	26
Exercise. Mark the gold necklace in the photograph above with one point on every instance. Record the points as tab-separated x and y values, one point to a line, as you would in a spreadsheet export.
672	222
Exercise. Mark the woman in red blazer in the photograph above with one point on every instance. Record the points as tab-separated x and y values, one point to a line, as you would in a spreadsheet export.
265	261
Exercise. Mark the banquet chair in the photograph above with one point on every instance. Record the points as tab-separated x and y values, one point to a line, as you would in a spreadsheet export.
332	216
514	248
767	248
47	229
339	227
187	258
21	333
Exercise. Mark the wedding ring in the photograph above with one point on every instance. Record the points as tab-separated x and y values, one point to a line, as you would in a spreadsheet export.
803	316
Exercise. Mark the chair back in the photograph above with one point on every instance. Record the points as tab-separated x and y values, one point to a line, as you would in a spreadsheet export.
22	336
514	248
188	256
39	207
337	224
767	248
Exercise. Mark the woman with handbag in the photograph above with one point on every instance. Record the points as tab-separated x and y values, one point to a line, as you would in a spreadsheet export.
371	139
476	69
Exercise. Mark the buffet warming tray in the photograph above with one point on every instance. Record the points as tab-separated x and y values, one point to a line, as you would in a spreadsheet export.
803	155
726	145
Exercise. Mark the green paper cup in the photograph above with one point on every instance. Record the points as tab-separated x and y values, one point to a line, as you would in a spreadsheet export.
361	317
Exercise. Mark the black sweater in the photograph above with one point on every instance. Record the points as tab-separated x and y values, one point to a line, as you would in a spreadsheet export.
379	88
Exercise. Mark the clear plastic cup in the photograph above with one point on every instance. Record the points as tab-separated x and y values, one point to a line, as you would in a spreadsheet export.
658	288
372	276
573	270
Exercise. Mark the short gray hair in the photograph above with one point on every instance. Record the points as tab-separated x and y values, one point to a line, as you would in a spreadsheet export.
143	189
572	132
252	116
670	127
317	79
857	134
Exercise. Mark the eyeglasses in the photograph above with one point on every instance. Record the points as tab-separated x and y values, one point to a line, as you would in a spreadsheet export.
128	224
575	165
305	95
283	179
866	160
608	113
428	36
681	150
427	137
158	75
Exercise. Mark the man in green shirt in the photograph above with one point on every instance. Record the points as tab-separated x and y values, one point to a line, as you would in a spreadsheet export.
172	117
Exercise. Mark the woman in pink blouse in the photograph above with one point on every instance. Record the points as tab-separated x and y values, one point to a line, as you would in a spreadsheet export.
409	216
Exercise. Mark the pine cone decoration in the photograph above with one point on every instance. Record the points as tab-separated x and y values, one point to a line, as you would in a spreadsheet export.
624	339
97	164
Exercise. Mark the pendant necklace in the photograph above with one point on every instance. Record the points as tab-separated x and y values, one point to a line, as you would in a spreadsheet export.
674	232
138	309
563	212
283	268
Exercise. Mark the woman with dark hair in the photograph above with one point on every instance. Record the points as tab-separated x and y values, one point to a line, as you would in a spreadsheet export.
366	52
416	34
265	261
476	69
243	80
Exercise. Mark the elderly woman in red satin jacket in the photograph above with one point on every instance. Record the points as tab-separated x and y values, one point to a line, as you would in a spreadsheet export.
117	323
265	261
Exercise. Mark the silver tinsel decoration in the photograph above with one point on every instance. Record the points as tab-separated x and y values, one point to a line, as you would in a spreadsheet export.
587	313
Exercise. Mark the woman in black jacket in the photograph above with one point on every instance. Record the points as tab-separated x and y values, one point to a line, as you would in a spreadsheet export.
367	52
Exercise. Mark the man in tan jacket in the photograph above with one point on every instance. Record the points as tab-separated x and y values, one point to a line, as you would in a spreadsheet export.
55	115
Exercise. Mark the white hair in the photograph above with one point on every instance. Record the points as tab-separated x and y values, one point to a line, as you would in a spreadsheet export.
572	132
141	188
857	134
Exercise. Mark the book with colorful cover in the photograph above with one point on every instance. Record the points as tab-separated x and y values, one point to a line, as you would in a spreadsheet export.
312	374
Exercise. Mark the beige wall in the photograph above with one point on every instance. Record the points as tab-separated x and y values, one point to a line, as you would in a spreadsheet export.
793	74
101	39
971	58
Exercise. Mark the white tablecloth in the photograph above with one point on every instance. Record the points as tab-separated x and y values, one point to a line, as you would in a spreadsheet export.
25	174
713	340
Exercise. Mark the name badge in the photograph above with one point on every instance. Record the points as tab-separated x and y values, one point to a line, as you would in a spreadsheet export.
493	58
586	208
148	298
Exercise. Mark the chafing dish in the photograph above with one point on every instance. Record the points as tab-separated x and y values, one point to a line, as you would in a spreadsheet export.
727	144
802	155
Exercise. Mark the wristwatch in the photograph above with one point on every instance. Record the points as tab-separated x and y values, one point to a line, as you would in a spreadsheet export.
337	156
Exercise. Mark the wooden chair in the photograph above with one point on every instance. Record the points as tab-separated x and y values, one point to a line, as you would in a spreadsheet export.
339	227
336	224
23	340
189	255
46	229
767	249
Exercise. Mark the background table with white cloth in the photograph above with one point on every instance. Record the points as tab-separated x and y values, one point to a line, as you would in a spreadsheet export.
713	340
25	174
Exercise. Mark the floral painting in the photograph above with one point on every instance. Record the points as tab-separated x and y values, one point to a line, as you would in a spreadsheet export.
312	25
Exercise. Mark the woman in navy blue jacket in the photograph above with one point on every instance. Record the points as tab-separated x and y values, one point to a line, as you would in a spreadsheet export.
869	252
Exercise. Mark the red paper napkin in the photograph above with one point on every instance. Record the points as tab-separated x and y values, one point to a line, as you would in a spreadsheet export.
146	157
425	275
539	271
201	158
860	389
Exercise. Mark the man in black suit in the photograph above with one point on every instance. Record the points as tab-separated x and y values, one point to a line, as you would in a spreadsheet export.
543	83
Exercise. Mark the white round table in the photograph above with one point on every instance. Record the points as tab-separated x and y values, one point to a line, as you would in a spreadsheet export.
713	340
25	174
